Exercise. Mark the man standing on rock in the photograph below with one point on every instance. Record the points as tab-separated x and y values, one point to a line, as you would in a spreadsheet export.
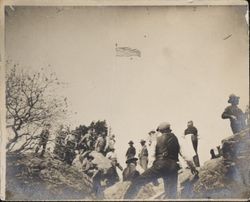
131	150
234	114
165	165
194	138
110	143
194	134
143	155
87	139
44	137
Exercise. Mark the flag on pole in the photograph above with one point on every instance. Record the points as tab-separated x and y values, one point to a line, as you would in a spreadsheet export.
127	52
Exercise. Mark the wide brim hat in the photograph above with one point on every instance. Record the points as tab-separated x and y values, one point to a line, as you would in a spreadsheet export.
130	160
130	142
232	97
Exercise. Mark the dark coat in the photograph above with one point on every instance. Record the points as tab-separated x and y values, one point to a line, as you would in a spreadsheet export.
167	147
191	130
131	152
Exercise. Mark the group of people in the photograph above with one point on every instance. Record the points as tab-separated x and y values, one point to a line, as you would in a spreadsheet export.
72	143
166	152
166	160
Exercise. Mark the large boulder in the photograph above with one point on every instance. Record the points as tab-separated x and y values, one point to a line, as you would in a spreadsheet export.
118	190
102	162
29	177
227	176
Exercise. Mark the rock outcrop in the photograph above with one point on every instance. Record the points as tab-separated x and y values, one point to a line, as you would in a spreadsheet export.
224	177
118	190
29	177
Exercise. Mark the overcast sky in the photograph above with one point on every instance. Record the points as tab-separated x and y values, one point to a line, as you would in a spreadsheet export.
186	71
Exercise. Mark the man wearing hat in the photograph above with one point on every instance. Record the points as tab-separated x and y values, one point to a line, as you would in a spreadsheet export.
130	173
234	114
165	165
131	150
143	155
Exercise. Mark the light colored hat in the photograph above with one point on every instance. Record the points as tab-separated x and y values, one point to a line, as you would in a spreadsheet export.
163	126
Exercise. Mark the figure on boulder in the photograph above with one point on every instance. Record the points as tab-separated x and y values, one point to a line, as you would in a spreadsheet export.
234	114
165	165
87	140
110	143
194	134
131	150
43	139
100	143
192	130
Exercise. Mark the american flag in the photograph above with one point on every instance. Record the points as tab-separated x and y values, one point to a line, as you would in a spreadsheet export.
127	52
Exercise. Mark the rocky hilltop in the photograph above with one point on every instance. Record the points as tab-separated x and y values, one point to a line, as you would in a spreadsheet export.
225	177
228	176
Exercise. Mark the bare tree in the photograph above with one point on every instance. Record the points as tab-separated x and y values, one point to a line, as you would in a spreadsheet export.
31	102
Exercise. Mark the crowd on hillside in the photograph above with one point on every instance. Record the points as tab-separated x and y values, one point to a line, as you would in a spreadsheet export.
75	149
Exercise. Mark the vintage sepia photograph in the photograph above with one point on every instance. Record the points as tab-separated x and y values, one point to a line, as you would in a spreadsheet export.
125	101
